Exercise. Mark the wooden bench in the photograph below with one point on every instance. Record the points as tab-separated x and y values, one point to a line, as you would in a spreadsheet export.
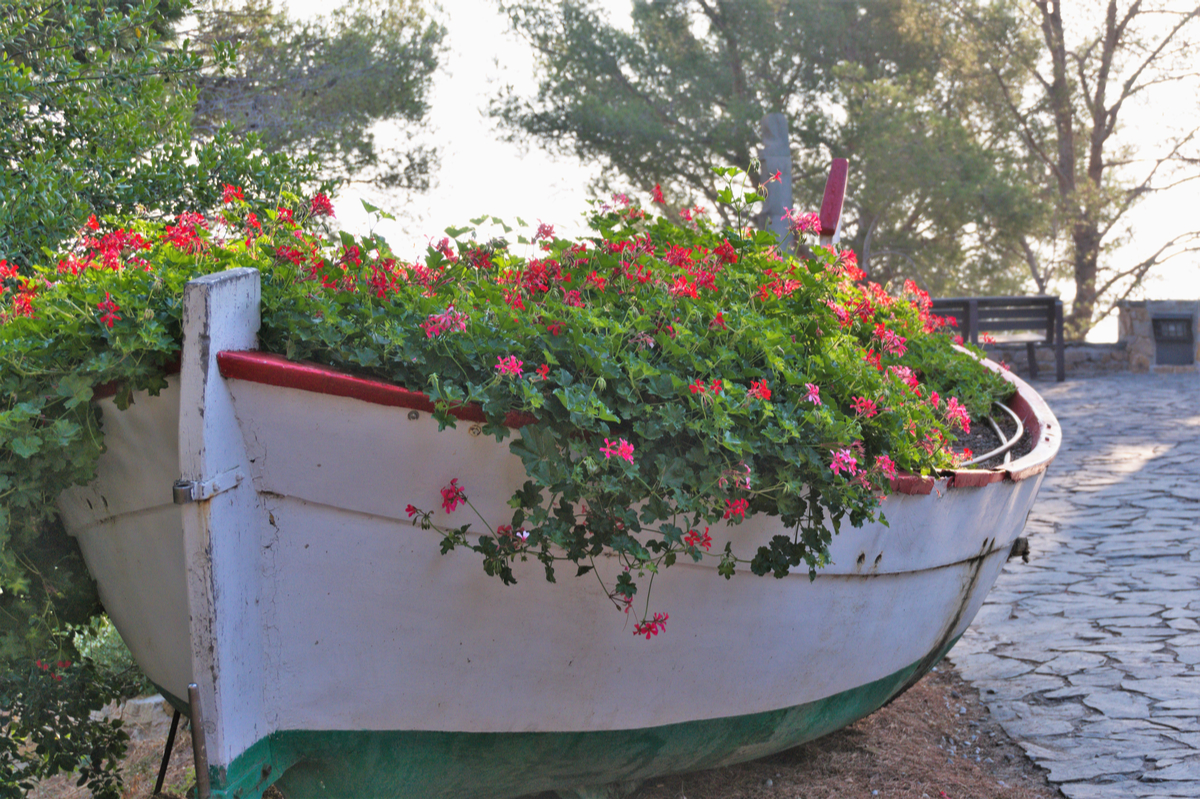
1036	316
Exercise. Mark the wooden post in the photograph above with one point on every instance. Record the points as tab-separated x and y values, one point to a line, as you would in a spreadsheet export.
222	547
776	156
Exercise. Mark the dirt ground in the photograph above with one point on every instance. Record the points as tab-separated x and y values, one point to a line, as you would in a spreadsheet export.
936	740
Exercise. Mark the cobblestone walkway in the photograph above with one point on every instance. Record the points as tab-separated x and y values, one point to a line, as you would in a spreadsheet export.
1089	655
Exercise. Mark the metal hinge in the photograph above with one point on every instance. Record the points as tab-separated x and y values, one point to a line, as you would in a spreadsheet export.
194	491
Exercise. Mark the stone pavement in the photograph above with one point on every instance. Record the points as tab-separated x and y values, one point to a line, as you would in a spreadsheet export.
1089	655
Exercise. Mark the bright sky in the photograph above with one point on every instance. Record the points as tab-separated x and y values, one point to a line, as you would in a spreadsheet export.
480	174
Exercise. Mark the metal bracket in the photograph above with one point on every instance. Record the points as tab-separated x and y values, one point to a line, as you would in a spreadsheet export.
184	491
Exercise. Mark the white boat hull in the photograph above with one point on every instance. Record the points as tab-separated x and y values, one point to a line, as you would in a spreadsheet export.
335	646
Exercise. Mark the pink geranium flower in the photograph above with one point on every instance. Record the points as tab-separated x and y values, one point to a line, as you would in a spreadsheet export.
843	461
509	366
619	448
864	407
956	414
886	466
452	496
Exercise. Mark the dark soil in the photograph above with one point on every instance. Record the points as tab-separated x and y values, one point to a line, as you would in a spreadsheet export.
983	439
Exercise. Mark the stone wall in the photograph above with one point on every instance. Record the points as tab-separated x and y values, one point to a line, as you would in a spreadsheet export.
1082	360
1135	329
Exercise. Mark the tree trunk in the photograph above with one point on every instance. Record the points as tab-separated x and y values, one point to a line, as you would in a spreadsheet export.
1085	238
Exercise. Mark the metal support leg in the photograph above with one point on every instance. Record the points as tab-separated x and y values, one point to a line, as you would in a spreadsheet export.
162	770
199	750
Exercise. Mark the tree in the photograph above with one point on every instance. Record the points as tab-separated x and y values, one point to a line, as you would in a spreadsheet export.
95	113
321	86
688	86
1082	69
987	139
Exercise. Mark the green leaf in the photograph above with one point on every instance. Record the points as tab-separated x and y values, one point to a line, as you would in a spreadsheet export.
26	446
75	388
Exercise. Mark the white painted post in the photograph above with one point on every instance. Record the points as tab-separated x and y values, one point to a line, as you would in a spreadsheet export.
221	518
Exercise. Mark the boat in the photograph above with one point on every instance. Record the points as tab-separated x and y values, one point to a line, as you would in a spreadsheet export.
248	534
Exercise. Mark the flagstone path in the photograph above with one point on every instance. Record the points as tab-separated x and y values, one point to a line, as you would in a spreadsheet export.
1089	655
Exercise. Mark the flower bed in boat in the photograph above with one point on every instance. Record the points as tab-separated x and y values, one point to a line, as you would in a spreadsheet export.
687	377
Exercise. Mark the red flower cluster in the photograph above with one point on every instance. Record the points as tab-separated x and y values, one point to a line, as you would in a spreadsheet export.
452	496
848	265
697	539
759	390
736	508
652	627
726	253
843	461
956	414
50	668
185	235
886	466
448	320
321	206
893	343
110	309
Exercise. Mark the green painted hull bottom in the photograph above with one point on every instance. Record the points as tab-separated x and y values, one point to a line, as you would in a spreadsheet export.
448	764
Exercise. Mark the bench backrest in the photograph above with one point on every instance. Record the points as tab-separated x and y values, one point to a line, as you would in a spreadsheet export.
975	315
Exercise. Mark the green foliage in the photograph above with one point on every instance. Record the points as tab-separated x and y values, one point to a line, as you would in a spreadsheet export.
95	111
937	197
101	644
681	376
319	86
46	725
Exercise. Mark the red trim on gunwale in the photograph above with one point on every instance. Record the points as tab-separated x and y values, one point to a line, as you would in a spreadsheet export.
974	478
274	370
911	484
